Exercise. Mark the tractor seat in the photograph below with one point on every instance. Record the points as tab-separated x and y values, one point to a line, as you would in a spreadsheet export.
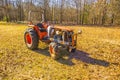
41	27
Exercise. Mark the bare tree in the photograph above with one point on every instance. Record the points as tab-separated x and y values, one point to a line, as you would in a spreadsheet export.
61	11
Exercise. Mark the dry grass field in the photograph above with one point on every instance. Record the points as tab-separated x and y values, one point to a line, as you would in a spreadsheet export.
97	56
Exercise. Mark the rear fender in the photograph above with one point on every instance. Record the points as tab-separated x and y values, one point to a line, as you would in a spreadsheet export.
40	34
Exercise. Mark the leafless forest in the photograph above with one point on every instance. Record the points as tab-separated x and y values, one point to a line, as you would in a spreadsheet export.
91	12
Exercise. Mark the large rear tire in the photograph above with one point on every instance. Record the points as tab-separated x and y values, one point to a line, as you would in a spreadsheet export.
31	39
54	52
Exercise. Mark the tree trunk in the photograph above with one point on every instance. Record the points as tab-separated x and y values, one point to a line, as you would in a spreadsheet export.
112	19
61	11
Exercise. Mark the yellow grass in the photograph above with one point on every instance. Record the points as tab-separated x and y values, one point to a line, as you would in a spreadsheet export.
97	57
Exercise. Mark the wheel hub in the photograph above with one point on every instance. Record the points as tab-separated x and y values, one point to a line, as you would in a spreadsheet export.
28	38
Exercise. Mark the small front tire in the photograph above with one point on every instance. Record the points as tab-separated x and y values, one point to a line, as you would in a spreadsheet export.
54	52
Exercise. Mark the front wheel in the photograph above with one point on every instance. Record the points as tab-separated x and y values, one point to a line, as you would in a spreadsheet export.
71	50
31	39
54	51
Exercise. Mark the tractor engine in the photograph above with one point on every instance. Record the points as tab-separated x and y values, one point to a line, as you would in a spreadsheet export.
65	39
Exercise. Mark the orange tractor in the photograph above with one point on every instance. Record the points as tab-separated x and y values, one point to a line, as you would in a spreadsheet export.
56	37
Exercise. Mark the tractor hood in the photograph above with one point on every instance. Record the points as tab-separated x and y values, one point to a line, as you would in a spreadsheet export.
63	28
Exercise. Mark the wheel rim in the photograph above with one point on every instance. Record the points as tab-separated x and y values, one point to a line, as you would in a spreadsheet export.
28	38
52	53
51	49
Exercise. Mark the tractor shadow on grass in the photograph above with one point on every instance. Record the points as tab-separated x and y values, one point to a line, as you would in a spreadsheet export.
85	57
43	51
61	60
78	55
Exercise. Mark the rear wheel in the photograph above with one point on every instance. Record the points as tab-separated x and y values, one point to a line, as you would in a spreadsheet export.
31	39
53	49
